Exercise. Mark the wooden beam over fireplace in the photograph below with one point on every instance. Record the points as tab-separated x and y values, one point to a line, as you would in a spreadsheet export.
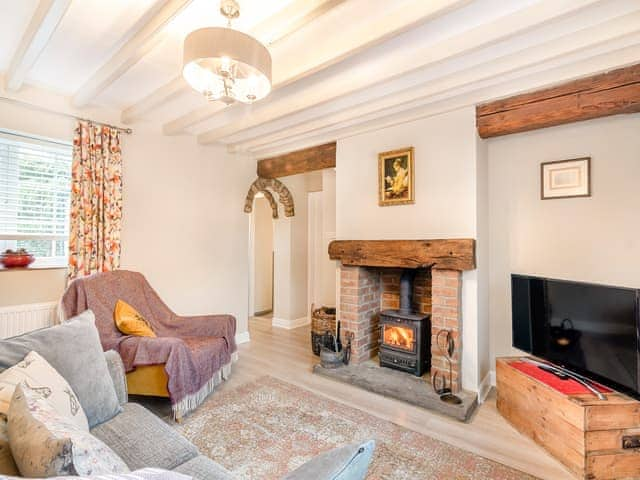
450	254
600	95
300	161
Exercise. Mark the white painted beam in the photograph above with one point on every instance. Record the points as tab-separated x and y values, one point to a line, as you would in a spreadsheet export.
145	35
381	24
479	67
274	29
525	81
402	60
155	99
45	20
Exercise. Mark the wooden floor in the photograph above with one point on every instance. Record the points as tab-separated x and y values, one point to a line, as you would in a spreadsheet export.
286	354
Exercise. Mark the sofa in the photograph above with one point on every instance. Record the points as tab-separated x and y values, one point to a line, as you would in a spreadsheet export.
141	439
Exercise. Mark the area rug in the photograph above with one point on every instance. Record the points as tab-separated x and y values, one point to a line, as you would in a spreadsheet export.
266	428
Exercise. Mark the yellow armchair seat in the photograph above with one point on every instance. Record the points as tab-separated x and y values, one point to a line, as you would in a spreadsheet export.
150	380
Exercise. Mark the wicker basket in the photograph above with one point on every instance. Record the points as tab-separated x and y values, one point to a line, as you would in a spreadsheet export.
323	320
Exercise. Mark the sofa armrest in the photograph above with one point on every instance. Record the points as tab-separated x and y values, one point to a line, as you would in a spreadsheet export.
344	463
118	375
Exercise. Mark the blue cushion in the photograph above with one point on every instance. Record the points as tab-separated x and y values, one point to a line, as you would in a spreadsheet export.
344	463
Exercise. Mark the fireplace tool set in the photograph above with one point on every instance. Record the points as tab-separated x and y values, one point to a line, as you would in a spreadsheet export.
446	344
332	352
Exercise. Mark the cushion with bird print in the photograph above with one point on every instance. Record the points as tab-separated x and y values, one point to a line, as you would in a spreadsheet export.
130	322
38	375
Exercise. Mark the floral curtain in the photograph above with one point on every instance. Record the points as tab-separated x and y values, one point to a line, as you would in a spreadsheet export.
96	200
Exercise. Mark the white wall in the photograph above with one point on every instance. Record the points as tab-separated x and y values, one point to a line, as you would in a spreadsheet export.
594	239
184	225
328	267
447	200
263	266
183	220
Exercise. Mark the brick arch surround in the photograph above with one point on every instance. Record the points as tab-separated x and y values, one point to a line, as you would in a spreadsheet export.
266	185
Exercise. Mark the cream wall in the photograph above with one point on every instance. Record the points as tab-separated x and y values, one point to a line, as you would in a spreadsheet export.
263	262
594	239
448	204
184	225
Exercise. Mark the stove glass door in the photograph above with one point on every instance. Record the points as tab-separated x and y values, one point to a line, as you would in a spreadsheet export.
399	337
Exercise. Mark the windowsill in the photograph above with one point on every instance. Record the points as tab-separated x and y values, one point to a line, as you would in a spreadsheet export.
39	264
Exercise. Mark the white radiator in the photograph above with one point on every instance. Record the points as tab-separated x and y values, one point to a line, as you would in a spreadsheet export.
19	319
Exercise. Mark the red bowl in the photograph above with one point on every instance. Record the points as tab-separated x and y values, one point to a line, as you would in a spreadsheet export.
15	261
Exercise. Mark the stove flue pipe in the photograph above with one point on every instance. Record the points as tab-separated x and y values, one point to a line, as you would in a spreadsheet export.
406	291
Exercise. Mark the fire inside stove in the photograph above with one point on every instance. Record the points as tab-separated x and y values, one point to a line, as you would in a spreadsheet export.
399	337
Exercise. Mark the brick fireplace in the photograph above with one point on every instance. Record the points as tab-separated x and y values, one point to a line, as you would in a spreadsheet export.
370	283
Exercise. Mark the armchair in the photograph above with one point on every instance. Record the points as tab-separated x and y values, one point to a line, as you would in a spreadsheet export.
187	359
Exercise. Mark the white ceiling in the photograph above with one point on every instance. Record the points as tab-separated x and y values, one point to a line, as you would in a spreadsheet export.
340	67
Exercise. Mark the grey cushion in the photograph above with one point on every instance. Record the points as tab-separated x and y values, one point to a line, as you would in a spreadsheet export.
118	375
74	350
203	468
143	440
345	463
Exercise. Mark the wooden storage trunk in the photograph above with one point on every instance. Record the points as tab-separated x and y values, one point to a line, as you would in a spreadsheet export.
584	433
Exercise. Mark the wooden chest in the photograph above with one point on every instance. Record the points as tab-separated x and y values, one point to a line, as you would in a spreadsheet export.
584	433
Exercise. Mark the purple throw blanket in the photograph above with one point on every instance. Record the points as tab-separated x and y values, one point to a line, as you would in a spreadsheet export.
196	351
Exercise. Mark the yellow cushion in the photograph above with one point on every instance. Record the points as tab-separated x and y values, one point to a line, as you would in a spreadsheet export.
130	322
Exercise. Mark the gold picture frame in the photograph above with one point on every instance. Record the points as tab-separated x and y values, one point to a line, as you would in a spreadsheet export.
396	177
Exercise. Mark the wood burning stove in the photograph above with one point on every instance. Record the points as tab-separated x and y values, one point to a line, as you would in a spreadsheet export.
405	336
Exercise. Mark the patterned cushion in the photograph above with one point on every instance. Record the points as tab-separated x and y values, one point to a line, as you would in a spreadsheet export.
75	351
7	465
38	375
46	444
144	474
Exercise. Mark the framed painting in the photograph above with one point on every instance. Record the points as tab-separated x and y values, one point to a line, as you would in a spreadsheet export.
396	177
565	178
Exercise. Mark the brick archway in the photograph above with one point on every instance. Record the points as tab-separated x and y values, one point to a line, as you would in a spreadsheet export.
267	186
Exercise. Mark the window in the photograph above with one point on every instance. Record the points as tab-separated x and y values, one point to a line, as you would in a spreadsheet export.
35	185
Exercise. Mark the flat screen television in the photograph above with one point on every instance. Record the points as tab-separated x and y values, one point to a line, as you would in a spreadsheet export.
589	329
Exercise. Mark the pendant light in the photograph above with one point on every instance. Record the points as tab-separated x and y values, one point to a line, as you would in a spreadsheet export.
225	64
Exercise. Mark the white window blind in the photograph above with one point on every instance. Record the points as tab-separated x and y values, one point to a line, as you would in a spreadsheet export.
35	185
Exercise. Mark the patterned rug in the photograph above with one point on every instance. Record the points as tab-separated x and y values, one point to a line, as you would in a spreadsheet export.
266	428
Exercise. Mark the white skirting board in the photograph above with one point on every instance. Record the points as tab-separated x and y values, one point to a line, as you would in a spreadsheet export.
485	386
290	324
242	337
19	319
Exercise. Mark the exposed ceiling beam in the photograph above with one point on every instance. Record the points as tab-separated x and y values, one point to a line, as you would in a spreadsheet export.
403	62
44	22
310	159
584	43
513	85
144	36
333	50
155	99
597	96
274	29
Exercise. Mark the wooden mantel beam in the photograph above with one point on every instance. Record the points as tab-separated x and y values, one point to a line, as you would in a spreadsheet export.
600	95
450	254
300	161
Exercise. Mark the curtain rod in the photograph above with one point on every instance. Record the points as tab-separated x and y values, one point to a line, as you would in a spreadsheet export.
62	114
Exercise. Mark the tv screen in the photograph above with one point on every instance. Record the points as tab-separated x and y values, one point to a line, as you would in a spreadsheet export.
591	329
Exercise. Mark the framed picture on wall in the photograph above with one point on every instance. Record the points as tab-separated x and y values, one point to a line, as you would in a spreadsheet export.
396	177
565	178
